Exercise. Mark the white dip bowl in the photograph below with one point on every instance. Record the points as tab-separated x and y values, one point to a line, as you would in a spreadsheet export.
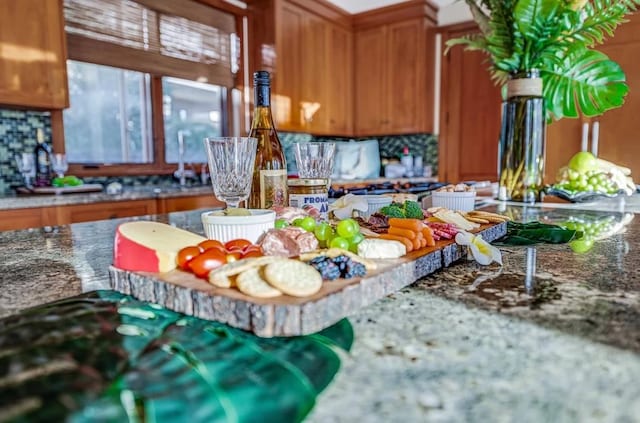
226	228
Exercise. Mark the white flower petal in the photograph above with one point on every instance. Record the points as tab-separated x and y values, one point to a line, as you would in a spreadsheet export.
464	238
343	213
483	252
481	258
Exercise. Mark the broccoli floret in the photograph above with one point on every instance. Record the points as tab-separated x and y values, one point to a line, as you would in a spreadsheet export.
413	210
392	210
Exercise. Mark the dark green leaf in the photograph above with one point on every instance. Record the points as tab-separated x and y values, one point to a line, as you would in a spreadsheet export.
535	233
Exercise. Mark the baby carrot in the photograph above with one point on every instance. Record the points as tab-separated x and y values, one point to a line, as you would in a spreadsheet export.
407	233
411	224
428	235
423	242
416	243
407	242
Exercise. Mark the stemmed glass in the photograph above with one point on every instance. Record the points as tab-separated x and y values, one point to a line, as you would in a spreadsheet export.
59	164
231	162
26	166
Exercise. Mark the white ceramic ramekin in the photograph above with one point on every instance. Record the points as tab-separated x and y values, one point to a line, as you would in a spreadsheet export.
226	228
375	203
459	201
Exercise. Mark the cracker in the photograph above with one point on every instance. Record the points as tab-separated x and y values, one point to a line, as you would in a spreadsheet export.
335	252
293	277
250	282
220	276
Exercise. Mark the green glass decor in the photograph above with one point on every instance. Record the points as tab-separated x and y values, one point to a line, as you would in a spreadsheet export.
107	357
555	38
522	139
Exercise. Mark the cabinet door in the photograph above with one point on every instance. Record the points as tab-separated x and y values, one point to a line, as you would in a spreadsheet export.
315	78
370	64
104	211
340	67
33	66
406	93
564	139
288	78
471	111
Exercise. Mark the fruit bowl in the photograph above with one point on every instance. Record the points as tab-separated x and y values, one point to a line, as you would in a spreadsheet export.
580	196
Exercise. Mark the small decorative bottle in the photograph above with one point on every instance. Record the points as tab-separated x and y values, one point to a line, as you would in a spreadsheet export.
42	154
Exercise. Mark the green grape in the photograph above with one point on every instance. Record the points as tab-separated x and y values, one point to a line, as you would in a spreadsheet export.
339	242
297	222
347	228
281	223
323	231
308	224
581	245
356	239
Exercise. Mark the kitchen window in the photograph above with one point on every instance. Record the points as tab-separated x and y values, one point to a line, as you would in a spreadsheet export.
144	75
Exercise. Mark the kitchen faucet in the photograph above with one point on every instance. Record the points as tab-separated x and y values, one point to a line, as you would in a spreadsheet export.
182	174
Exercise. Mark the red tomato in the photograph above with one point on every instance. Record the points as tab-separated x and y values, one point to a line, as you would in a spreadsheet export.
186	255
234	256
206	262
211	243
252	253
237	243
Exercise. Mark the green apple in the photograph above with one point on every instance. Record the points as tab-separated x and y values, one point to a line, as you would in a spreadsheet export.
583	162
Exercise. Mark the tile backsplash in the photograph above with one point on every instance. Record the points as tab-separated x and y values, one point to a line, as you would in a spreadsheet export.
18	135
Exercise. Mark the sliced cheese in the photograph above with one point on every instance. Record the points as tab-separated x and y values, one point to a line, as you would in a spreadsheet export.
381	249
150	246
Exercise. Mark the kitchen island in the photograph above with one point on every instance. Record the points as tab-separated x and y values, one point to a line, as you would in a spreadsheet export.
551	336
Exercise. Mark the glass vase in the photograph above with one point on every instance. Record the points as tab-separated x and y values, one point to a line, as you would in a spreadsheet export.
522	139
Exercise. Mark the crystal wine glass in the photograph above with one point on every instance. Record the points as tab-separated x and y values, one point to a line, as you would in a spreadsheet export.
59	164
231	161
26	166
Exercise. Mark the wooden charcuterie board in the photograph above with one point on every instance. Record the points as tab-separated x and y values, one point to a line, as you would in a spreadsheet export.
289	316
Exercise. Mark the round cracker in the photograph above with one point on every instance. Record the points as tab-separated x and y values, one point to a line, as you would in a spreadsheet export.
293	277
251	283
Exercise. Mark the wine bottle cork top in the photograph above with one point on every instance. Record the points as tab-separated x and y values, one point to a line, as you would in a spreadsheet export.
261	77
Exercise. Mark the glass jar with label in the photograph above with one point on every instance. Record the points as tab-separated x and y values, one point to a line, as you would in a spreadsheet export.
310	193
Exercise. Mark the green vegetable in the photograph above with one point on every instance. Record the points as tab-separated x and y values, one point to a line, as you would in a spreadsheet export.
413	210
126	360
535	233
67	181
393	210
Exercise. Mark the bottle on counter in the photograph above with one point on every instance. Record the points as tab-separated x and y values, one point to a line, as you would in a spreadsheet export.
42	155
269	187
407	161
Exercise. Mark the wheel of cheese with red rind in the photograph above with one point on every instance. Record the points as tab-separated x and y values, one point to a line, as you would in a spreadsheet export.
144	246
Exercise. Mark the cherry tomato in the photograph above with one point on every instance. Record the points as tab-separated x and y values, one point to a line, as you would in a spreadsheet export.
186	255
251	248
234	256
206	262
252	253
211	243
234	243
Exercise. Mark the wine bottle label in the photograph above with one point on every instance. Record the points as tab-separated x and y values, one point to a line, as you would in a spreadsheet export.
273	188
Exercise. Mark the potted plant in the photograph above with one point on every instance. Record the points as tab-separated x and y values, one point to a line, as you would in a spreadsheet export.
542	53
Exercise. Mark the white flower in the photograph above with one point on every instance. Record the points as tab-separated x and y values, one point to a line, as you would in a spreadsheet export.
344	206
483	252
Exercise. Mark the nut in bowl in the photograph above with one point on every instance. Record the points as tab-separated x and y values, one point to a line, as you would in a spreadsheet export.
225	225
460	197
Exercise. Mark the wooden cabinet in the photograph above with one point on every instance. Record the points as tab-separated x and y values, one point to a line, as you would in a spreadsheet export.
33	69
168	205
394	71
26	218
470	114
312	64
104	211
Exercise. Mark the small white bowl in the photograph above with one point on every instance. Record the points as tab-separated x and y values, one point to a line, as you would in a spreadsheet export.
226	228
375	203
462	201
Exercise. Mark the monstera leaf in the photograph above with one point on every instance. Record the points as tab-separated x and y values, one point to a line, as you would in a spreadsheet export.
106	357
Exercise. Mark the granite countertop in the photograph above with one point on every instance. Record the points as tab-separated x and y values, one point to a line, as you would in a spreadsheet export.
129	193
551	336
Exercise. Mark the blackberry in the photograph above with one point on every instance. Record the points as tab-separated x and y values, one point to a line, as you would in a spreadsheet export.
342	262
328	270
353	270
318	260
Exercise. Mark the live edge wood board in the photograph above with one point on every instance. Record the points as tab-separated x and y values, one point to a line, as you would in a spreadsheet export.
289	316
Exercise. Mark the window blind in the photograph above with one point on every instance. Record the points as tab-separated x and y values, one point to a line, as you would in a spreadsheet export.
180	38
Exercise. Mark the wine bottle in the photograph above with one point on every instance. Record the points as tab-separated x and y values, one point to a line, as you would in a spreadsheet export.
269	187
42	154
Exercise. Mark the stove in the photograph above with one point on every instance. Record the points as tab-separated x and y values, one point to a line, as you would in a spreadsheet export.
337	191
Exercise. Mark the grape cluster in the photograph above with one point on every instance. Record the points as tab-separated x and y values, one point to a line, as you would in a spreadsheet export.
346	234
340	266
589	181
